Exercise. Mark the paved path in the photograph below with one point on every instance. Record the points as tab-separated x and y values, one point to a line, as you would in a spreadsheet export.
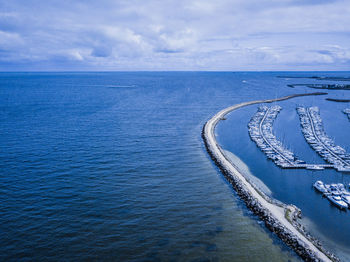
276	211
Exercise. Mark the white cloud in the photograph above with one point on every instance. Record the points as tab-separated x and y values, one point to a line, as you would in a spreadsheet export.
176	35
9	39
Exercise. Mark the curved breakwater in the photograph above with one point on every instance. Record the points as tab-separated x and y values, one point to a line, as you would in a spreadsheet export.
278	217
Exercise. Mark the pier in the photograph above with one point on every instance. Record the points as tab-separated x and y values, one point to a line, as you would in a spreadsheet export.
260	131
312	128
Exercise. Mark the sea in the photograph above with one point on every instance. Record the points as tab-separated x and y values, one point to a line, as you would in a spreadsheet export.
111	166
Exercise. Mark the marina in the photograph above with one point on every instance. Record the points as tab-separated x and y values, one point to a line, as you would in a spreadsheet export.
277	216
312	128
261	132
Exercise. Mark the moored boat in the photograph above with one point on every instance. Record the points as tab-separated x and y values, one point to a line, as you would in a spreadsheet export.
320	186
337	201
346	198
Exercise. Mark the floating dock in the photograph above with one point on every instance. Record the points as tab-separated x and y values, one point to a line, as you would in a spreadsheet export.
312	128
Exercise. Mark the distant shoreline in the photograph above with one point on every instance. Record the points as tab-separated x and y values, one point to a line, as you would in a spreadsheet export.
338	100
278	217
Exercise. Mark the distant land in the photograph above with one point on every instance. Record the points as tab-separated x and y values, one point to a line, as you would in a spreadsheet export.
320	86
332	78
337	100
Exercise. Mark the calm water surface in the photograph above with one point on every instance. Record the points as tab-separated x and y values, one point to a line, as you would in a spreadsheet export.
111	166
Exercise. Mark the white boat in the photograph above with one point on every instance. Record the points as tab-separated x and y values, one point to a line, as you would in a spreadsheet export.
345	196
320	186
333	188
343	169
341	187
314	167
337	201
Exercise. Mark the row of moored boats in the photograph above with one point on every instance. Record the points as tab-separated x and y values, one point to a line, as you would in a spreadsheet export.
260	131
312	128
335	193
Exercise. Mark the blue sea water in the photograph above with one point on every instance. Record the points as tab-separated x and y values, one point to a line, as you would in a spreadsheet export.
111	166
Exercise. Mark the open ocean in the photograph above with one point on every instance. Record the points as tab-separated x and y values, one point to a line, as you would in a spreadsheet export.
111	166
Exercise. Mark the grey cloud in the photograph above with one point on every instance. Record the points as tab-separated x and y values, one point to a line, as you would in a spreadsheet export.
174	35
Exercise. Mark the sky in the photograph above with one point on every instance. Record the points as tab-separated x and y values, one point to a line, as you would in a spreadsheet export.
161	35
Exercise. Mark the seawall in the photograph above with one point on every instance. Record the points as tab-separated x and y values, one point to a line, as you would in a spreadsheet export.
278	217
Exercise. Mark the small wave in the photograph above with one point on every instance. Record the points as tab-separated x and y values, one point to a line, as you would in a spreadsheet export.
121	86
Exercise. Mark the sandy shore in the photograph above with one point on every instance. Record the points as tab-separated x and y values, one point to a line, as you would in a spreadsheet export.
274	214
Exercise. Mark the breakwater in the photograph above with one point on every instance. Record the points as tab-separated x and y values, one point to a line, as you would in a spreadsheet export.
312	128
278	217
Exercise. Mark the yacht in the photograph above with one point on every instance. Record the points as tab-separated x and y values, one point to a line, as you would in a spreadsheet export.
334	190
314	167
337	201
341	187
320	186
345	196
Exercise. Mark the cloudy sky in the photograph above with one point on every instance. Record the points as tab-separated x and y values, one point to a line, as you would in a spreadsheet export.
174	35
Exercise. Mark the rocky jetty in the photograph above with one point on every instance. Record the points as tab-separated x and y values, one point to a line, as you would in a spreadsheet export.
278	217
